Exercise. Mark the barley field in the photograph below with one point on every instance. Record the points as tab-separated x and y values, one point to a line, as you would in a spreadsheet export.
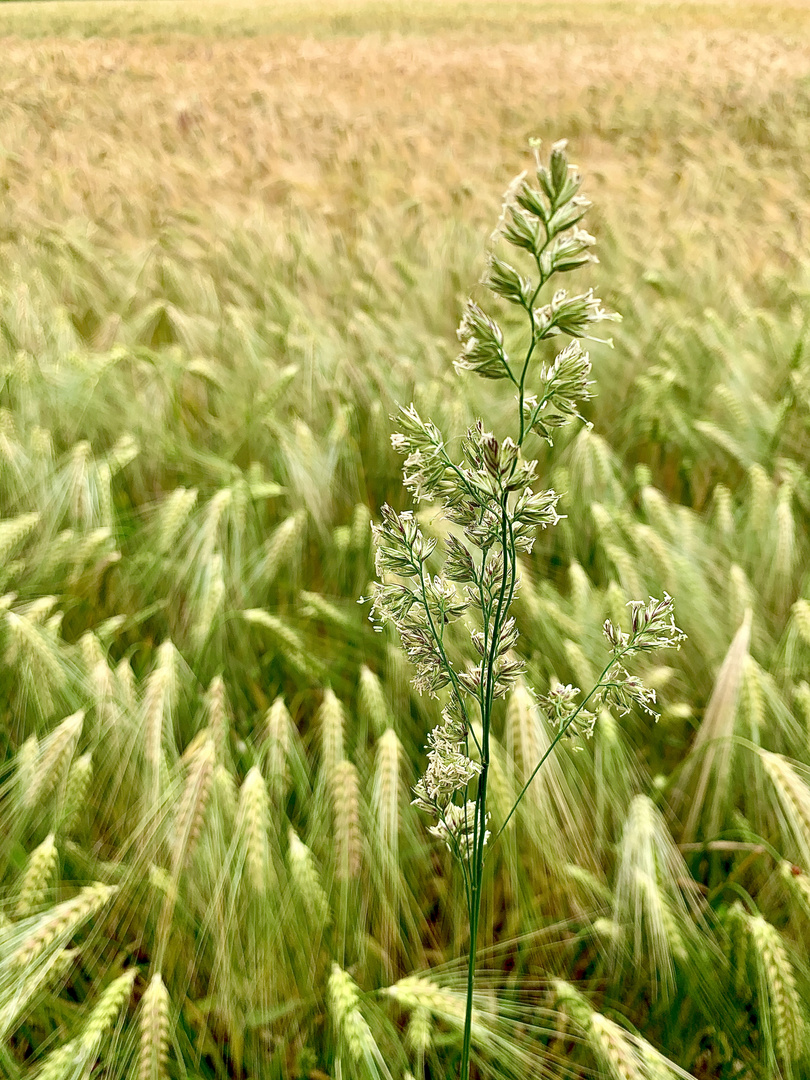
232	238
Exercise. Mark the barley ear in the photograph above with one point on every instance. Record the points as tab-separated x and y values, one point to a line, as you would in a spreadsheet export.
55	928
59	1064
76	790
106	1011
350	1024
38	877
704	779
331	722
778	993
154	1031
792	799
217	714
277	750
55	755
193	805
621	1054
307	881
157	706
252	822
373	705
346	806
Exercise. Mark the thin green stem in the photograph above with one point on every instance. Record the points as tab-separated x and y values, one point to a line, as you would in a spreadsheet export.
480	820
530	311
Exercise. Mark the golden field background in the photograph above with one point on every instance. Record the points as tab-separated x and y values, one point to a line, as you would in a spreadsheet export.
232	237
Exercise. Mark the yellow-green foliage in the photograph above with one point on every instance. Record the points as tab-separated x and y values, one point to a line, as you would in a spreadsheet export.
232	237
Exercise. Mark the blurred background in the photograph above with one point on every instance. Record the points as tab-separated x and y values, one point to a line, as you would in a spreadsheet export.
232	238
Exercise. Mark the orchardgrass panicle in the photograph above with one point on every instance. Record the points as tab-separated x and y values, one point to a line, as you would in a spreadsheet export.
491	495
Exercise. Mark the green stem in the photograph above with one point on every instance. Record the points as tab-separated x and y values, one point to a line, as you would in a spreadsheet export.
530	311
474	910
480	823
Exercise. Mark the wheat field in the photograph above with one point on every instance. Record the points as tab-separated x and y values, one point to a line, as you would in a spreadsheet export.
232	238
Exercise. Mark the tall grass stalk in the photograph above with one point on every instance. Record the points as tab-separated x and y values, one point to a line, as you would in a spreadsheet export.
491	498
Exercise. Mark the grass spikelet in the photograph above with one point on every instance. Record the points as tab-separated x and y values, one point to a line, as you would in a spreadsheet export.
227	798
622	1055
57	926
58	1064
785	550
552	812
611	1045
331	723
13	531
760	499
386	800
307	881
742	595
591	886
79	475
801	619
125	680
280	729
318	607
289	644
76	789
501	784
154	1031
797	638
793	800
419	1034
193	805
217	718
25	768
55	756
212	519
580	664
172	516
360	528
655	551
752	700
32	649
738	945
253	815
387	790
18	996
616	776
581	592
38	877
705	772
723	511
209	598
98	671
346	807
373	706
280	548
350	1024
658	511
521	727
157	705
106	1011
777	989
417	992
647	890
